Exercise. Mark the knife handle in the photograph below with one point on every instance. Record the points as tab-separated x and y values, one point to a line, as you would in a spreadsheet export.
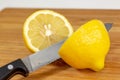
12	69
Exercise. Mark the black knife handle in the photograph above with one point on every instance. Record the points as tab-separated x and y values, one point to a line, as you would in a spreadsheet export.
13	68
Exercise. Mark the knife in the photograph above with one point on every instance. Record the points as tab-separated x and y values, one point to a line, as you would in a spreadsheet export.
35	61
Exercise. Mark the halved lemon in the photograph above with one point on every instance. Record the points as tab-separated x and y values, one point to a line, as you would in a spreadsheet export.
44	28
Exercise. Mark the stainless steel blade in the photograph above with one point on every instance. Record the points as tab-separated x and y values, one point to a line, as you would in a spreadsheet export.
108	26
43	57
46	56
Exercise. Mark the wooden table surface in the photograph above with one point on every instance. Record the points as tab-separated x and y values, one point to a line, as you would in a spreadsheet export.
12	45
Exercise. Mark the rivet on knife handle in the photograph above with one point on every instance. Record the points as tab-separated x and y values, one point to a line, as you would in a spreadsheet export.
13	68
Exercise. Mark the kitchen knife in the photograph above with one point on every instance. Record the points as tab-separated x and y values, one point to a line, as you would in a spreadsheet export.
35	61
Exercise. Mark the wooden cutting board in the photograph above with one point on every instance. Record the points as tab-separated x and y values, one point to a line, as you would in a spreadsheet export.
12	46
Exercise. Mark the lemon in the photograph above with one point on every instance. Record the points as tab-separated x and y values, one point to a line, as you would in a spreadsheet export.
87	47
44	28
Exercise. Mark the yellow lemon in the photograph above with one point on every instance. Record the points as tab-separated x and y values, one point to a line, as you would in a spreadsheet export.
44	28
87	47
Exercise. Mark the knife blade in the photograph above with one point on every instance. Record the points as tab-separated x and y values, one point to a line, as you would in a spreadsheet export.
35	61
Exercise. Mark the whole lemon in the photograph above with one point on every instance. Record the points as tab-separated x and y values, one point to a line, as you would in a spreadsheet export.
87	47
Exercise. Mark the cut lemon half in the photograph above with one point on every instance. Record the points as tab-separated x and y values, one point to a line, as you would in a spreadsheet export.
44	28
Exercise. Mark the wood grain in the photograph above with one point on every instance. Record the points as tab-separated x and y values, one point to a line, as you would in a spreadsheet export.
12	45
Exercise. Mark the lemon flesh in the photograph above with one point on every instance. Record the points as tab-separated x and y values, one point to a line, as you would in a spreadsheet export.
87	47
44	28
